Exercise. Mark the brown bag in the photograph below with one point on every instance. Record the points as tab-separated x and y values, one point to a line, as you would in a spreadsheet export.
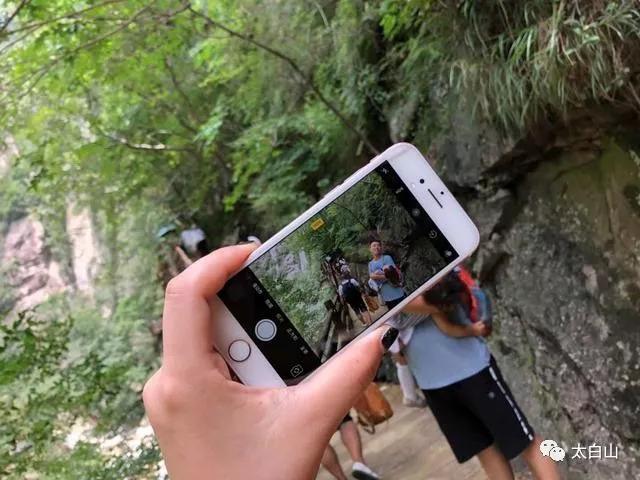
373	408
372	303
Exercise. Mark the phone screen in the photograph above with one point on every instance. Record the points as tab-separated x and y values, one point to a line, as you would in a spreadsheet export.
321	286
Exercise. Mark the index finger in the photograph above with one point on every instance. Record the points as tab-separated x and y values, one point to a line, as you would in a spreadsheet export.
187	336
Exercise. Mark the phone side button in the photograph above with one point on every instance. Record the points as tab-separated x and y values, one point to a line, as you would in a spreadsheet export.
239	350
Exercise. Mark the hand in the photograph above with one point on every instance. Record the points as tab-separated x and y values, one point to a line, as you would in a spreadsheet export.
211	427
479	329
421	306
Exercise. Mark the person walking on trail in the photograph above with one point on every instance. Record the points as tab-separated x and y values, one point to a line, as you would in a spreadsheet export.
384	272
464	387
350	437
194	241
351	292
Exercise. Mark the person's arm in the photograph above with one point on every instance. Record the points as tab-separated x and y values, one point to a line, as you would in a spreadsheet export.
419	305
183	256
376	274
195	407
477	329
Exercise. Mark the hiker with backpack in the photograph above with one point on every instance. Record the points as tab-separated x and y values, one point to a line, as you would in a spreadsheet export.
463	385
350	292
384	272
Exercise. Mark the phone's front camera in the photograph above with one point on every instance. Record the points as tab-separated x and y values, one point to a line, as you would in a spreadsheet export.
441	192
422	180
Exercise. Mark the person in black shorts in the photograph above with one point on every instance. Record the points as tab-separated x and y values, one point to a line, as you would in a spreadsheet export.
351	292
465	389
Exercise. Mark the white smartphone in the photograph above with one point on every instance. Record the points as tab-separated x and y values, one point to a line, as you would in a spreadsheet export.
339	270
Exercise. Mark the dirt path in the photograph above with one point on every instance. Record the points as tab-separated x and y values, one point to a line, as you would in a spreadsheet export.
409	447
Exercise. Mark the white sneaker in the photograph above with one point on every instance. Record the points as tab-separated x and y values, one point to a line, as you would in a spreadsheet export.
362	472
418	402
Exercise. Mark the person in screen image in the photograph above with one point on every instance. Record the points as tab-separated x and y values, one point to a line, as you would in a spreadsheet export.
351	439
351	293
384	272
464	387
380	270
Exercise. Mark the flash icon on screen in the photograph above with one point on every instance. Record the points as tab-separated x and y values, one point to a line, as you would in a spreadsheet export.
317	223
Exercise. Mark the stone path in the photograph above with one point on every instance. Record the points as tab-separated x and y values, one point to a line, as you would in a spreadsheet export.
409	447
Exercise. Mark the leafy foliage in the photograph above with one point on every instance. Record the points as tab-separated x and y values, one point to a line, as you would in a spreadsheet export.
542	58
57	368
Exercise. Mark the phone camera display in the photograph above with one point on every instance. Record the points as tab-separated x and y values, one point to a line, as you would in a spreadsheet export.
338	273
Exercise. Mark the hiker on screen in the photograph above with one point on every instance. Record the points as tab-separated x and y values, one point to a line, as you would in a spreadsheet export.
351	292
380	268
388	278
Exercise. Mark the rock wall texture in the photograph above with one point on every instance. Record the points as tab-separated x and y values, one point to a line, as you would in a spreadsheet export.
559	215
29	273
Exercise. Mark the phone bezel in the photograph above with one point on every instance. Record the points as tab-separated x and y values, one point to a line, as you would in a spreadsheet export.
449	216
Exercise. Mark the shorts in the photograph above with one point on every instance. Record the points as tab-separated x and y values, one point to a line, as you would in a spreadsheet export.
357	304
478	412
392	303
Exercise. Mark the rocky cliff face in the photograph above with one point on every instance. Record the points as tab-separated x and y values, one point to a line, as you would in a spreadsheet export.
559	215
29	273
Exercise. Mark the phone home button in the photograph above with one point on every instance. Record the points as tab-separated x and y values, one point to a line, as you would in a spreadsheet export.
239	351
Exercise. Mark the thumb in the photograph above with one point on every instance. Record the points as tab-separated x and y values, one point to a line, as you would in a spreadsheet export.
346	376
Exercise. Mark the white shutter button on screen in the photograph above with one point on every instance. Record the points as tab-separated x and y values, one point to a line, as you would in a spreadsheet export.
239	350
266	329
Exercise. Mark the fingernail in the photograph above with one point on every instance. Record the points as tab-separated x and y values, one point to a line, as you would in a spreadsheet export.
253	239
389	337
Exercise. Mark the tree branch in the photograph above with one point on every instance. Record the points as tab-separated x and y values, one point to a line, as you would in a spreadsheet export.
41	72
37	25
10	44
176	84
171	110
13	15
157	147
298	71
